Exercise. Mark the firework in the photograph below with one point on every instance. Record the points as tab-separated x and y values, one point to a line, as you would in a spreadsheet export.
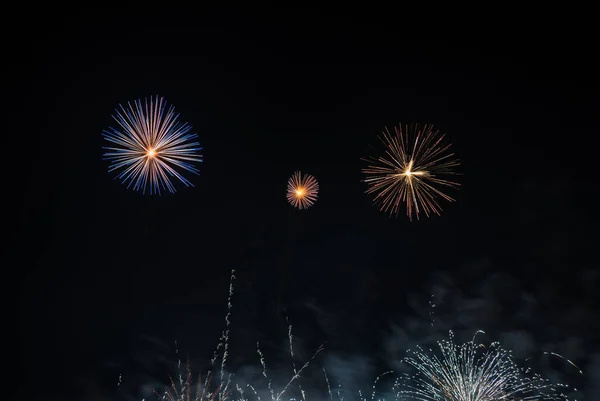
472	372
413	170
182	387
151	145
302	190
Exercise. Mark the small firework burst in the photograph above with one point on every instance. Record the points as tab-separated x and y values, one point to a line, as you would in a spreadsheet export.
302	190
472	372
413	169
151	145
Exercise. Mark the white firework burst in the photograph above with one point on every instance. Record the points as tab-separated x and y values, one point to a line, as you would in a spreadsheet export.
472	372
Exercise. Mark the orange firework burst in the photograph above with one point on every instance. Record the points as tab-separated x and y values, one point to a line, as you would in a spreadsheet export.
302	190
413	169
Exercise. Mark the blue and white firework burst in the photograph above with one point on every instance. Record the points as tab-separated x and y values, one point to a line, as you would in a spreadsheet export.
151	145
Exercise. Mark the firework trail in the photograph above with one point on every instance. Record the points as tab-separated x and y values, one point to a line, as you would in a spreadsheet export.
472	372
302	190
151	144
182	388
411	171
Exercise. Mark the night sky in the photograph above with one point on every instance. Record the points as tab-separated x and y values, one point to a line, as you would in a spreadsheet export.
109	278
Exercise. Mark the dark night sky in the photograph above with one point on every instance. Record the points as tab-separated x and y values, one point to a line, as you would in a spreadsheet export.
102	268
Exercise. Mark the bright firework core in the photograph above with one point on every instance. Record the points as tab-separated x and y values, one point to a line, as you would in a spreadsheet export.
151	153
408	172
300	191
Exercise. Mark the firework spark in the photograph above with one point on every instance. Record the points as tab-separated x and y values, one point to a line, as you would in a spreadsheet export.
472	372
151	145
412	171
302	190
